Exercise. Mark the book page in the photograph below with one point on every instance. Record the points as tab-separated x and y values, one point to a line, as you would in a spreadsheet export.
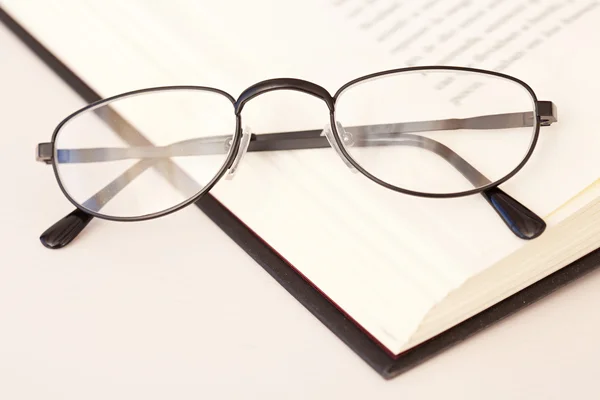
383	257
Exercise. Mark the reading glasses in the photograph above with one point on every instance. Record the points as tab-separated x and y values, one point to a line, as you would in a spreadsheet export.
433	131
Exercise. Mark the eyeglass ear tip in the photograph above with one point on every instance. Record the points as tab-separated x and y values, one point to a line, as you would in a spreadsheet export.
64	231
51	244
532	230
523	222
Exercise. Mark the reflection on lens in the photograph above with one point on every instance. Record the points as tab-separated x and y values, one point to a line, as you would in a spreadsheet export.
146	152
437	131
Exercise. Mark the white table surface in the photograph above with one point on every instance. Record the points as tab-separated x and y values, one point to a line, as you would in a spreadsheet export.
172	308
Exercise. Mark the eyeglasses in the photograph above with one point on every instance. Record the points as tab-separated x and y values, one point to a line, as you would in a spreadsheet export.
436	132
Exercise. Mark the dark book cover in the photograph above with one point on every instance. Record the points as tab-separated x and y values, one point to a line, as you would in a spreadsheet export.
310	296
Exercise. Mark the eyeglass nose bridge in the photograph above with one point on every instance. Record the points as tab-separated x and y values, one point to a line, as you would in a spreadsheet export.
298	85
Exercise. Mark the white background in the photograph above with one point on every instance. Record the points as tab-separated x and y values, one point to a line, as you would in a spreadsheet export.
172	308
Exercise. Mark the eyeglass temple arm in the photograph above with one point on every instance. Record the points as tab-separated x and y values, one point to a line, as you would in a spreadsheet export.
65	230
546	109
282	141
520	220
523	222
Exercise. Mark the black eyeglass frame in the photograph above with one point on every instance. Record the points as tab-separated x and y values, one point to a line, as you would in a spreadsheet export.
544	114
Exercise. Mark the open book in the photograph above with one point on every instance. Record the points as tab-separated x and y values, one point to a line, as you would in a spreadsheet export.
403	268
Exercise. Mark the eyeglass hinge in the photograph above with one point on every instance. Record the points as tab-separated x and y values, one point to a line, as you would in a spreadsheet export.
547	112
43	153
